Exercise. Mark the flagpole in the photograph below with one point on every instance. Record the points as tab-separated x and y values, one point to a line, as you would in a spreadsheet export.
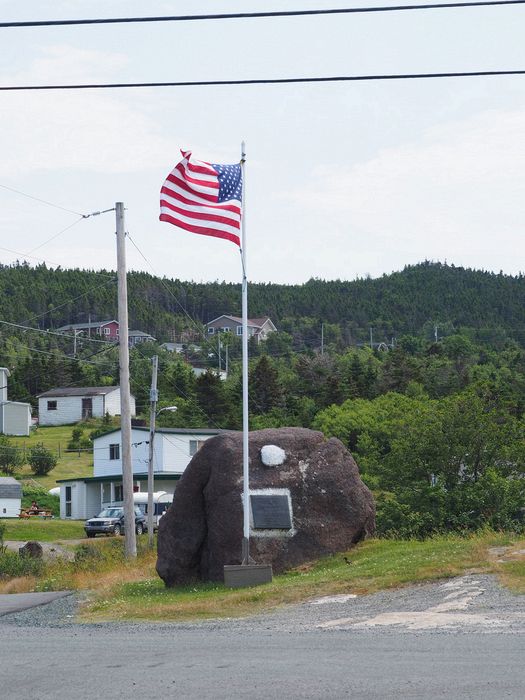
245	427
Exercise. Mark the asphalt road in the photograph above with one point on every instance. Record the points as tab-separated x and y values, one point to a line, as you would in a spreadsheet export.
461	639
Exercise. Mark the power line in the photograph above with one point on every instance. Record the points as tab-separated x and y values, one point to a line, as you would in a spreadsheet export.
197	326
257	15
42	201
268	81
56	235
61	335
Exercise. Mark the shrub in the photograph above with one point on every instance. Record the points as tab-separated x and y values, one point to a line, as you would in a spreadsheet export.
13	565
11	457
41	460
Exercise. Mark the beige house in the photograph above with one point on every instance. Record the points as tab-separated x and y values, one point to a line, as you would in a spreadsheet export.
258	327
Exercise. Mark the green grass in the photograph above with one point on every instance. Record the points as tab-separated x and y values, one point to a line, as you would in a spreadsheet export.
121	589
70	465
373	565
43	530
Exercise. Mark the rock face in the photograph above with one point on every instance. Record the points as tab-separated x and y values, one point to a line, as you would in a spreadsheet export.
331	508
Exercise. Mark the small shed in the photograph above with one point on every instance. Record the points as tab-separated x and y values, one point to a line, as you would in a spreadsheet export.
10	497
67	405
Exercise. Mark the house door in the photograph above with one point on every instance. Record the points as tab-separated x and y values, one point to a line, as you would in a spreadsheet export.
87	408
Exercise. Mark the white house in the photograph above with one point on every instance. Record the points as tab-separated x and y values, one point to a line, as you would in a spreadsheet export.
258	327
174	448
68	405
15	416
10	497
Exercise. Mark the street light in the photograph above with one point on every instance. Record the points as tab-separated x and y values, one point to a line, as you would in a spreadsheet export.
153	415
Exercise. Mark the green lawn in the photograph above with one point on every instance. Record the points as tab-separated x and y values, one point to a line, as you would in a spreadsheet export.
70	464
43	530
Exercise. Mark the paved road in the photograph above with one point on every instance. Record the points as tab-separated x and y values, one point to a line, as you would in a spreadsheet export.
16	602
467	642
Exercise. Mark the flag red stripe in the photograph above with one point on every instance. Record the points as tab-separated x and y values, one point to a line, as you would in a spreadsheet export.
215	233
204	183
183	185
201	170
184	200
203	217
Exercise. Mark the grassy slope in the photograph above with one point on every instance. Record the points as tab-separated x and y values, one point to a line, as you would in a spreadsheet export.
43	530
70	464
122	590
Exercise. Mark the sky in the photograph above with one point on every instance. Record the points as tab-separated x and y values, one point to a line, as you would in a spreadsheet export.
342	180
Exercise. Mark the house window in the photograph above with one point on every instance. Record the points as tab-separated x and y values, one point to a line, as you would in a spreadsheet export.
211	330
119	492
117	331
226	329
51	405
68	501
107	330
195	446
99	331
114	451
239	330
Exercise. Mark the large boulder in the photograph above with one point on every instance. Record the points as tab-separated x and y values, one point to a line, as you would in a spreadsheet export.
331	508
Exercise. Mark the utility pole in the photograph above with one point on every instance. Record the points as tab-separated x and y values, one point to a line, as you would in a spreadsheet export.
125	407
227	360
153	397
219	352
371	338
435	333
322	338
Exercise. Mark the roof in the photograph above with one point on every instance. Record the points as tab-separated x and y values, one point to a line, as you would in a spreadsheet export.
169	431
165	476
10	488
140	334
6	371
255	322
78	391
79	326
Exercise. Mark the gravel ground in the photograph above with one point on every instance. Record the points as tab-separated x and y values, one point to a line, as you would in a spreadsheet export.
467	604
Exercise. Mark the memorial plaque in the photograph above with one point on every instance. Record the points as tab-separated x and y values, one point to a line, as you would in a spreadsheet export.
271	512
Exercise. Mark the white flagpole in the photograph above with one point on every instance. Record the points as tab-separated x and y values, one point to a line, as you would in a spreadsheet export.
245	445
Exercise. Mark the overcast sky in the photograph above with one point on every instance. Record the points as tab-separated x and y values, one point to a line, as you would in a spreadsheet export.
343	180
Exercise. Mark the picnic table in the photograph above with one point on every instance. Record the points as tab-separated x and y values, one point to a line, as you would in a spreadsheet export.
28	513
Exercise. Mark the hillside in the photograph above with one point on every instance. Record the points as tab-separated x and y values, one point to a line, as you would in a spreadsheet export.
406	302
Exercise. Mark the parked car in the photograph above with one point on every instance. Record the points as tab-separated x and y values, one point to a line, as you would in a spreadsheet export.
111	522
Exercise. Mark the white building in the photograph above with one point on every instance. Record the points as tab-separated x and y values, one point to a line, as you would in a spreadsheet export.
15	417
174	448
67	405
10	497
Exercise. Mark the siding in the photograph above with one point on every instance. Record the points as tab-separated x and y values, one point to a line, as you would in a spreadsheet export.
112	403
15	418
171	454
69	409
10	507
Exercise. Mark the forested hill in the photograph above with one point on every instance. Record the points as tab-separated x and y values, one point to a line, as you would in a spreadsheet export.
406	302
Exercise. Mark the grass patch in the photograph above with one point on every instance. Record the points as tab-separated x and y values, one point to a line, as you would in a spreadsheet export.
512	575
130	590
70	465
43	530
373	565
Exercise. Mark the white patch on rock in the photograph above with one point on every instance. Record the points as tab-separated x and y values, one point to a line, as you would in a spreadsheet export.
272	456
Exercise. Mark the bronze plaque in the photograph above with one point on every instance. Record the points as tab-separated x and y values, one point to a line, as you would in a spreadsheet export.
271	512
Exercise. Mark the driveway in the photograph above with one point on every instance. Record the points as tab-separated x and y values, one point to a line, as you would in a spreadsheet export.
460	639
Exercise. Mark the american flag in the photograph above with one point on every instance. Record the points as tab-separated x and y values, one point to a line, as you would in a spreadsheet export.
203	198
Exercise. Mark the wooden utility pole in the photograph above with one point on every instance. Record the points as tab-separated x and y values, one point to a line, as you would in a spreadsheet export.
125	405
153	397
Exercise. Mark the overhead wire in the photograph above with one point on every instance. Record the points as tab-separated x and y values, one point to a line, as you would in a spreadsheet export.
258	15
268	81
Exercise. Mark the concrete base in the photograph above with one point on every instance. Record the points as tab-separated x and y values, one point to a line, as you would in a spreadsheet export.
240	575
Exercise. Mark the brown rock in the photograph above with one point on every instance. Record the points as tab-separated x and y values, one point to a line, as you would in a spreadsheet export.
331	507
32	550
